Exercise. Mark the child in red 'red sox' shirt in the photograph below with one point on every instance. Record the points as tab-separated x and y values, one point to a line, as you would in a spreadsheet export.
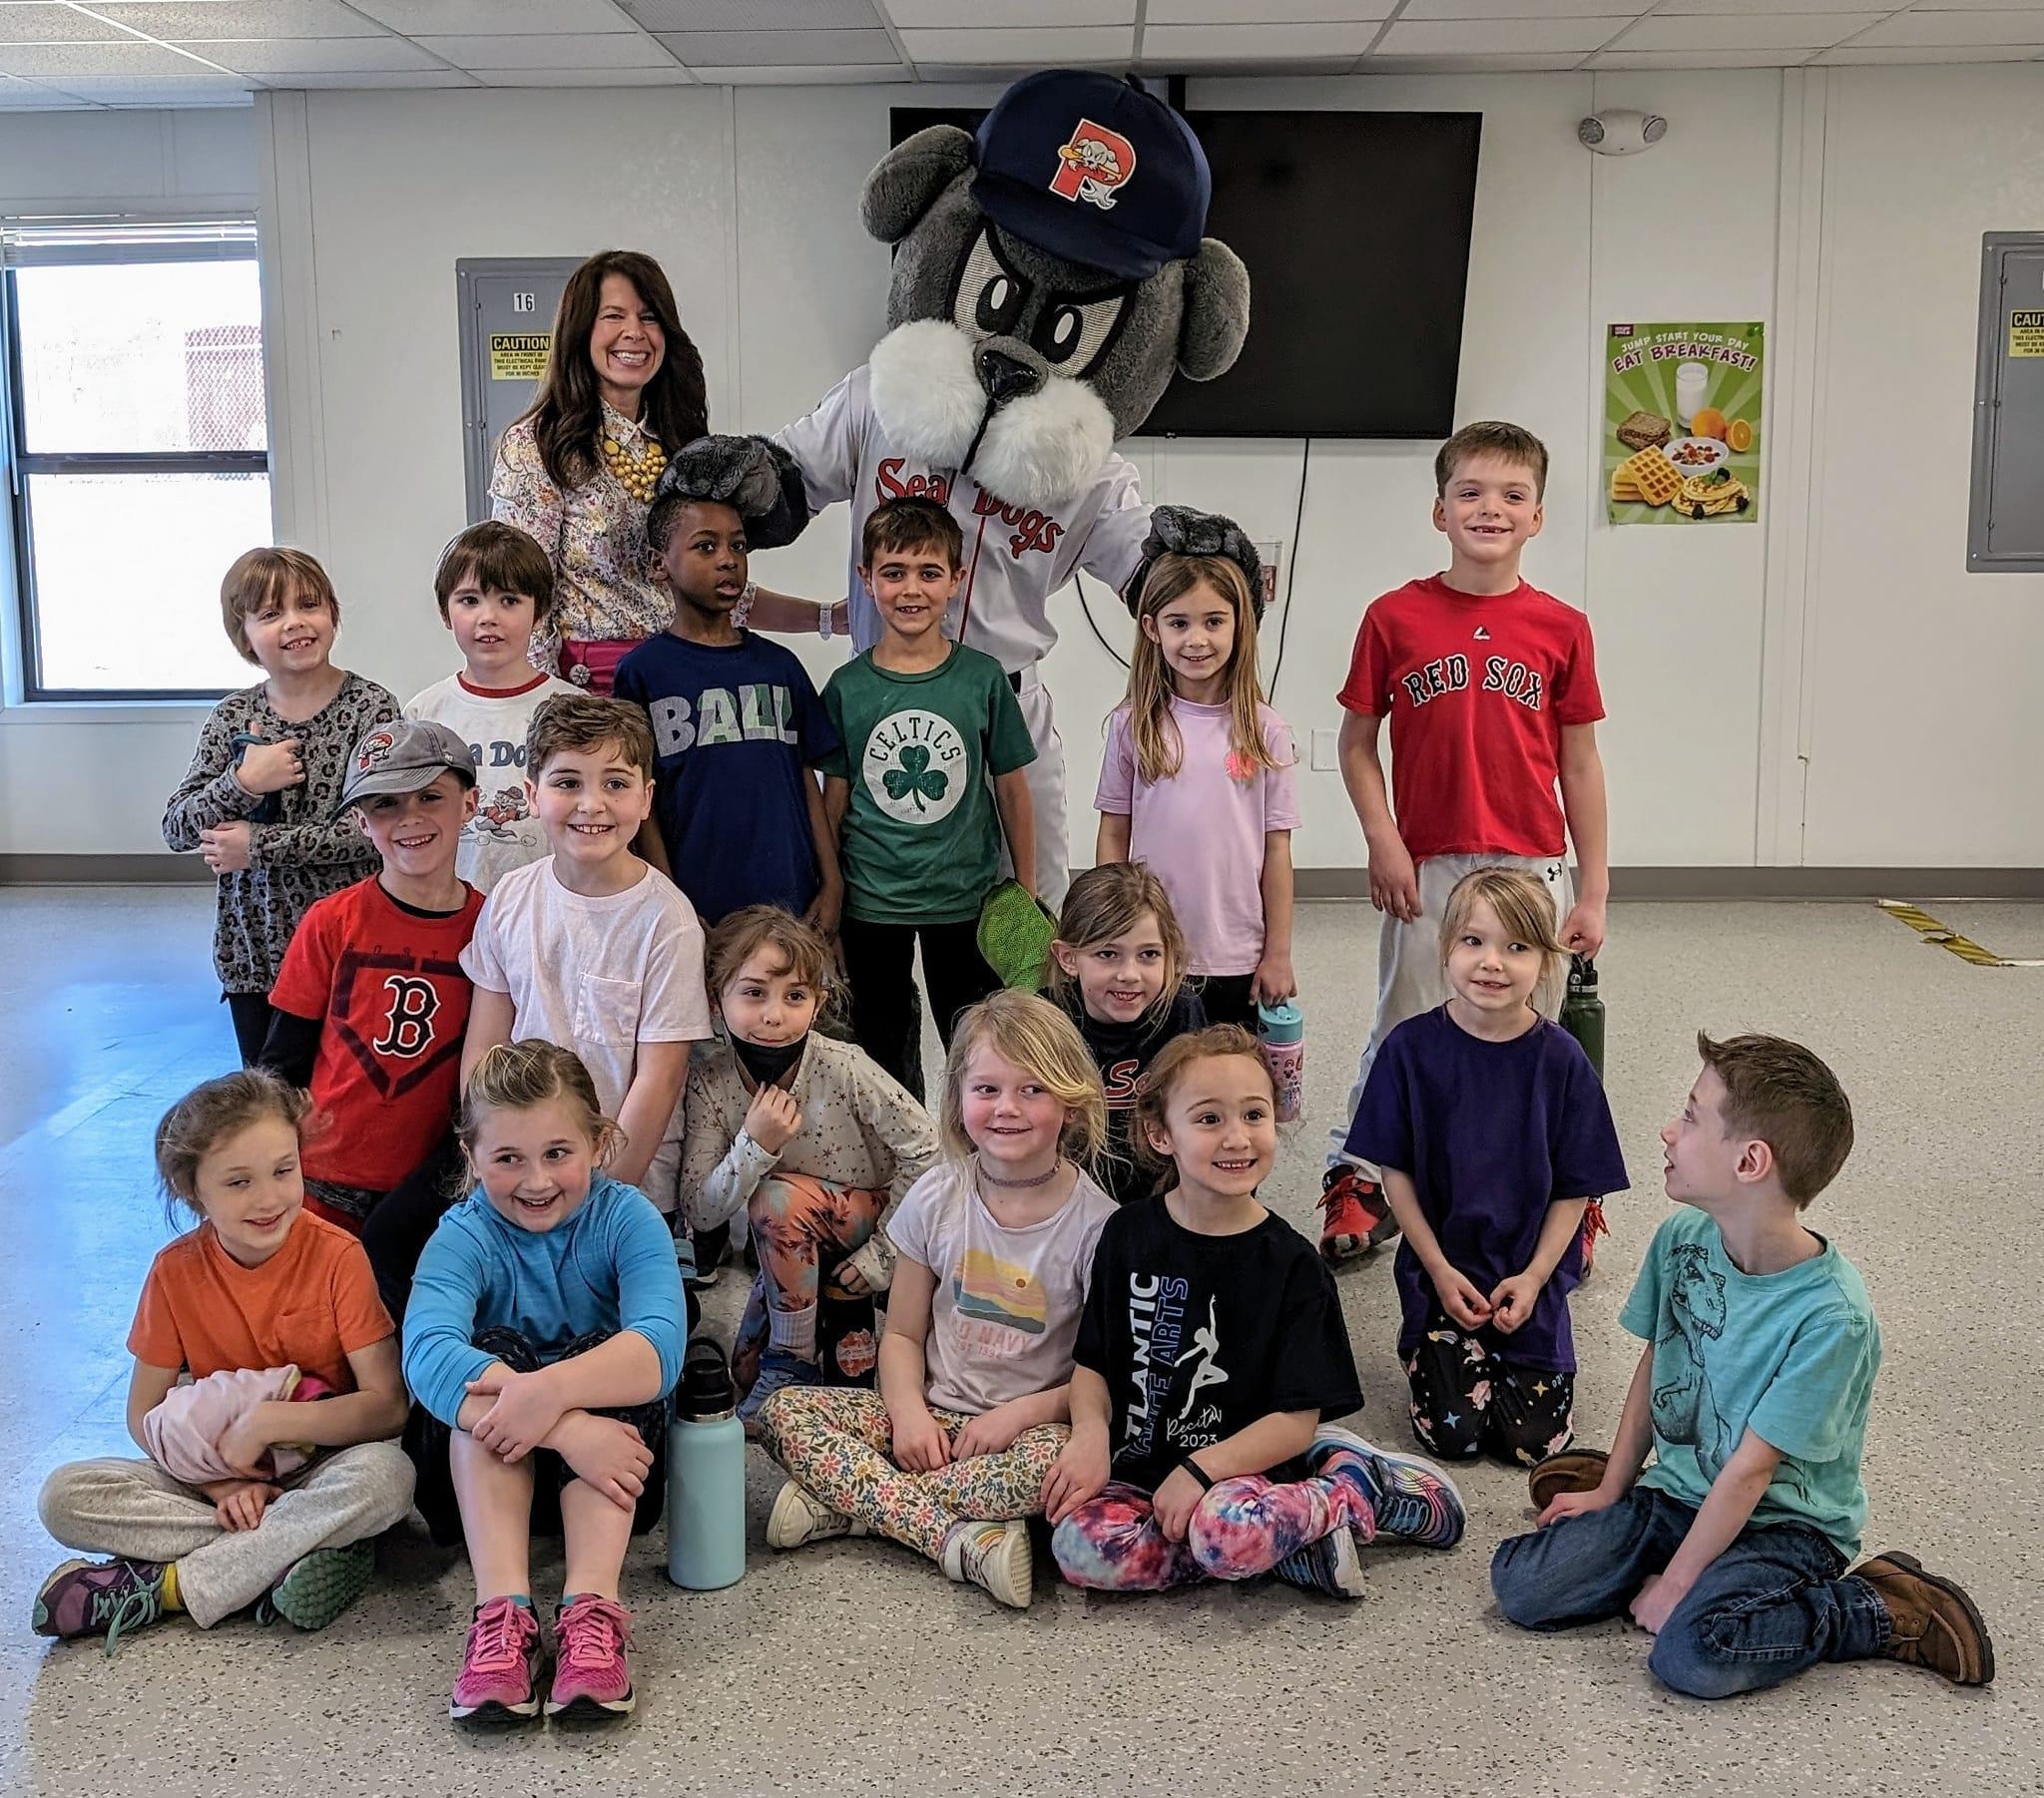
1490	687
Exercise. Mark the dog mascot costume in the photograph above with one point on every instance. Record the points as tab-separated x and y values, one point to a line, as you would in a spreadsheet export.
1050	277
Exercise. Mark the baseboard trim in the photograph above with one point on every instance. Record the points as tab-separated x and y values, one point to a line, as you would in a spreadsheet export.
104	870
1854	884
1313	883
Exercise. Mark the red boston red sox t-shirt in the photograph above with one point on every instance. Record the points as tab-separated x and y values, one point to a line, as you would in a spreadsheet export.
387	982
1477	687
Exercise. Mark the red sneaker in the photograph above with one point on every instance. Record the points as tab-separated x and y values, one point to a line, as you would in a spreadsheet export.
1358	1216
1593	1227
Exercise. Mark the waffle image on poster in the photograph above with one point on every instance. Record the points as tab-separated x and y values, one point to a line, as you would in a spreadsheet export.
1653	476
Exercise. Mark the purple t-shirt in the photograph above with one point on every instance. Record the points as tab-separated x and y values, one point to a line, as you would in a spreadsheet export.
1491	1134
1202	830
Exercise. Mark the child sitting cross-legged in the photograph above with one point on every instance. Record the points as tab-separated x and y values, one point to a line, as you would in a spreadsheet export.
1752	1393
543	1337
964	1438
1212	1351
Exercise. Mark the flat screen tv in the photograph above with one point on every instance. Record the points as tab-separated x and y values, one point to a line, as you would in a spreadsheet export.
1355	231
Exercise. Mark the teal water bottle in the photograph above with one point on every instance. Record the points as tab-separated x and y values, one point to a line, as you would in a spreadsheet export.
1280	1037
706	1475
1582	1012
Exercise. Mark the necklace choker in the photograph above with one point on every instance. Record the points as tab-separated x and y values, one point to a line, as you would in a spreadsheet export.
1042	1179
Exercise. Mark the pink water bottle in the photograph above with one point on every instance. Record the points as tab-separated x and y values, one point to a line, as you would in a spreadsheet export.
1281	1036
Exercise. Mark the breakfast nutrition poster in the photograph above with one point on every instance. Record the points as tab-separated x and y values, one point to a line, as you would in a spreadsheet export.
1682	423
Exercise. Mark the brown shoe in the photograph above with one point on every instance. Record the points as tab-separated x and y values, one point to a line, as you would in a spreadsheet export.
1935	1624
1573	1470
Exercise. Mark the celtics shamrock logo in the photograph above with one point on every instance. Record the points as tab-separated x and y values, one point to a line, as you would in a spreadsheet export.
915	778
916	766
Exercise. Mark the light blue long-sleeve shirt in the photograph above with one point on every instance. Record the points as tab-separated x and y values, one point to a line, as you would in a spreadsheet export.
611	1266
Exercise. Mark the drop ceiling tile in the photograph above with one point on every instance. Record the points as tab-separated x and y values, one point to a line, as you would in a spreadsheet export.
608	50
1529	62
1718	8
125	60
387	78
1275	12
44	24
764	48
242	19
1525	9
1746	31
1876	54
1973	6
492	18
1789	58
921	15
665	75
836	74
756	15
155	90
2025	26
333	56
1496	37
1257	43
1022	45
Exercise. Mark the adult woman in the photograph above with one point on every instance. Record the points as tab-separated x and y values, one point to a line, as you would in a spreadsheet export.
623	390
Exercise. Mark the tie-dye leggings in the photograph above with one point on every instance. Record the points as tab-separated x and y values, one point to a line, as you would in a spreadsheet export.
838	1443
1243	1528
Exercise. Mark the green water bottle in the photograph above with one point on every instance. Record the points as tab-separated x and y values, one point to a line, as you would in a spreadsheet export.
1582	1012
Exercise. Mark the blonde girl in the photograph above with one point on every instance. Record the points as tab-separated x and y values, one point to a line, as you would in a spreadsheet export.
1118	971
260	1284
964	1438
1198	782
544	1333
1494	1135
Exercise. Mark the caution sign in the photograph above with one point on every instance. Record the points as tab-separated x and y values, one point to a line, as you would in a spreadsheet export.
2026	333
522	355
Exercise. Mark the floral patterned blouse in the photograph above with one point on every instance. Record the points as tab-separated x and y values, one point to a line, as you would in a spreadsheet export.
595	536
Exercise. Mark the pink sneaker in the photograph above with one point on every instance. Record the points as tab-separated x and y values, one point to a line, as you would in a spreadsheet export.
499	1679
592	1677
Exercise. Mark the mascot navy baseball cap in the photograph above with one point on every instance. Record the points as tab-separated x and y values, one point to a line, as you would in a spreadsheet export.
1095	170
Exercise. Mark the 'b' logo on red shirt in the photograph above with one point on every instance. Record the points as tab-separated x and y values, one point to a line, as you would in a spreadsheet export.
408	1025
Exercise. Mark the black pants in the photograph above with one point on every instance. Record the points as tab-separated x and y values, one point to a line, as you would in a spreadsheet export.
396	1230
252	1014
1226	999
1467	1398
879	968
427	1441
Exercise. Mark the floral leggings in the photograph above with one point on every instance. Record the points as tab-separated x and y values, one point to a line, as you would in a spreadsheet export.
798	1220
838	1443
1241	1527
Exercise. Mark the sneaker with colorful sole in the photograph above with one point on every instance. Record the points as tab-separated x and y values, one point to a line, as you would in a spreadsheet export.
1329	1566
996	1558
112	1598
316	1587
1414	1499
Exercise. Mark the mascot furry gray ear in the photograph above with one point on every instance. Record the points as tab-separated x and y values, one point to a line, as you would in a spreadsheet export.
1050	279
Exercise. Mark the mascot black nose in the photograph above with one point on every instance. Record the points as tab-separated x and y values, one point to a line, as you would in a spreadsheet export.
1005	377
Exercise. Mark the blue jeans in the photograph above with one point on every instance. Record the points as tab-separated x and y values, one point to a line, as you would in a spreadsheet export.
1770	1605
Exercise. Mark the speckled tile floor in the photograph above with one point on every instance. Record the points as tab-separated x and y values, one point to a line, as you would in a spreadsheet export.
851	1666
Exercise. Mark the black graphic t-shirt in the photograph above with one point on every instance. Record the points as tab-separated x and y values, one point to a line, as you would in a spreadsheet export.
1123	1054
1198	1336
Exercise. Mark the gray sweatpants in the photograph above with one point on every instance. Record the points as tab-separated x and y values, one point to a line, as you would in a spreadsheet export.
135	1510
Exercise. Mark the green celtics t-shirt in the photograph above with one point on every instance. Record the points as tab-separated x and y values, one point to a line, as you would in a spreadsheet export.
1790	1356
922	841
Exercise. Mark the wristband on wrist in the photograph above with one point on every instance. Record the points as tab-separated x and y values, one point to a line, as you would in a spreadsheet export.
824	612
1197	1472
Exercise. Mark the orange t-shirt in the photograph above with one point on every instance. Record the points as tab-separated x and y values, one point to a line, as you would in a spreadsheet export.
314	1303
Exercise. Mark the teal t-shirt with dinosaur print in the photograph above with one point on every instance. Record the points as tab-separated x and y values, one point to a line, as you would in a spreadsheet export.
921	840
1790	1356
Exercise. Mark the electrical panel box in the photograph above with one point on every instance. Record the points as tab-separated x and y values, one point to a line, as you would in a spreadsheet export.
2005	525
507	306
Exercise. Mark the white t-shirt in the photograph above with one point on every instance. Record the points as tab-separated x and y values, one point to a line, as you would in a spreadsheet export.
598	976
504	834
1015	557
1006	1309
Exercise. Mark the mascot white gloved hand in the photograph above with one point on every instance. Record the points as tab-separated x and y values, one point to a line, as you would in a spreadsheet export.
1050	279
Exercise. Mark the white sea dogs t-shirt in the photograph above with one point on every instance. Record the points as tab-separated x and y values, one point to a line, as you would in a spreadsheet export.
1007	1304
598	976
1016	556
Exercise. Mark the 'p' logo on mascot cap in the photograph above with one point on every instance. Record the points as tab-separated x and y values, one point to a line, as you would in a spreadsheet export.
1095	170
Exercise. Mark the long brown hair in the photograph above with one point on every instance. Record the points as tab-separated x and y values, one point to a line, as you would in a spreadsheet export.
1108	901
568	408
1151	729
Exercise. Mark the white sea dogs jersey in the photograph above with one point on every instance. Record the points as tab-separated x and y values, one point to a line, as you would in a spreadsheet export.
1016	556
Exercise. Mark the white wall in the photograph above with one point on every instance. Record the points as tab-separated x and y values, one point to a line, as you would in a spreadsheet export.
1844	207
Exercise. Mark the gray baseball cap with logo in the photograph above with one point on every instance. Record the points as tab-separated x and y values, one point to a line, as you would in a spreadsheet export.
401	758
